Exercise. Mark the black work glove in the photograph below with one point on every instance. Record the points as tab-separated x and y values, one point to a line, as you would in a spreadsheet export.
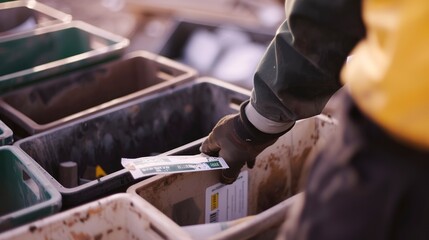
238	142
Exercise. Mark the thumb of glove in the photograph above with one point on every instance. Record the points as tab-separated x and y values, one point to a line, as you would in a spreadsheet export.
210	146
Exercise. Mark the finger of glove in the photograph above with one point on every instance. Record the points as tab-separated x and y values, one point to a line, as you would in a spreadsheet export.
251	163
235	163
228	176
210	146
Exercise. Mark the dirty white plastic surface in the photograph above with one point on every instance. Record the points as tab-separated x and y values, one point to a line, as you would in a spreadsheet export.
119	216
274	178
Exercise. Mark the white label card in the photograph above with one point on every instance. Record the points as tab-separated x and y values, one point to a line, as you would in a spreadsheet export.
227	202
147	166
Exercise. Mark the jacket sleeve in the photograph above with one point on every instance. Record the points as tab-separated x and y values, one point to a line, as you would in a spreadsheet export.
300	69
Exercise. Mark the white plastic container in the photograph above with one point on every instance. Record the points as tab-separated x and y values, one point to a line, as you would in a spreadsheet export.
276	176
119	216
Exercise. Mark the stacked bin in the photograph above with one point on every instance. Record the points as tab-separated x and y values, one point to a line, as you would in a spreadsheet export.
26	193
145	126
47	51
57	101
118	216
20	16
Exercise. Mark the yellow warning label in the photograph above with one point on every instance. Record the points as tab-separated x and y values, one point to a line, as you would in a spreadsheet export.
215	201
99	172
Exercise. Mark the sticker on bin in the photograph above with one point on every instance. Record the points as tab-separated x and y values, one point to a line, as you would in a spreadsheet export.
227	202
148	166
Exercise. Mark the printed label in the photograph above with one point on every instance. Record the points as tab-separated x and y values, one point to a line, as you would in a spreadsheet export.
146	166
227	202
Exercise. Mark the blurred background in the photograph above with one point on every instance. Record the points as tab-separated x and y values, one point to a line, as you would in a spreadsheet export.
224	39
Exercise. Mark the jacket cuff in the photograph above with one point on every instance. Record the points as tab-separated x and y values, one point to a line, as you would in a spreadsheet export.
249	133
264	124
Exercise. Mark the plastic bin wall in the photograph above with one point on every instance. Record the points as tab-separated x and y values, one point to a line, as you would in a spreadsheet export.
51	50
6	134
275	176
119	216
21	16
57	101
26	195
146	126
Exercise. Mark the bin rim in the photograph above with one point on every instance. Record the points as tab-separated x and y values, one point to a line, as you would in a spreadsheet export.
57	16
39	7
6	136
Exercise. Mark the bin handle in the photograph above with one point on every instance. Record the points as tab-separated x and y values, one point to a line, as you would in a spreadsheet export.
31	184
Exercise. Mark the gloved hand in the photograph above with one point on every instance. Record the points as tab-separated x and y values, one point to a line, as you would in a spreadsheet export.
238	142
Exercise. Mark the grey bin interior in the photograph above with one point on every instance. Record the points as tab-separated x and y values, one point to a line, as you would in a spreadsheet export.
54	102
51	50
146	126
20	16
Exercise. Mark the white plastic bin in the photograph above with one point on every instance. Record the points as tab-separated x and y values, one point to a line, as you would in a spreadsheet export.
119	216
275	177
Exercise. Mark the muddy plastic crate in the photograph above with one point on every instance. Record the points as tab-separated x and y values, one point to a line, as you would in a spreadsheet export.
196	198
51	50
26	194
146	126
119	216
224	46
21	16
6	134
57	101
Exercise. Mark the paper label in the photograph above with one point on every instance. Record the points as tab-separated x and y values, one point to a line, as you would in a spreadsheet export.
147	166
227	202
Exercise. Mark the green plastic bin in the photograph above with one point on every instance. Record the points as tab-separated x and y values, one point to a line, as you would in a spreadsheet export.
55	49
6	134
21	16
26	195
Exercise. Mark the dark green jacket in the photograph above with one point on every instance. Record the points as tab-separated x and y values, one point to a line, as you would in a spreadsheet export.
300	70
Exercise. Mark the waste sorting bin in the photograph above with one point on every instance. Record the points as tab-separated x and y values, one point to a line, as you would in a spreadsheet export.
225	52
119	216
196	198
149	125
57	101
55	49
26	194
21	16
6	134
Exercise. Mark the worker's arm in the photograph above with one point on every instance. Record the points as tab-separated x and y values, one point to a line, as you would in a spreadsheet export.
300	70
294	80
